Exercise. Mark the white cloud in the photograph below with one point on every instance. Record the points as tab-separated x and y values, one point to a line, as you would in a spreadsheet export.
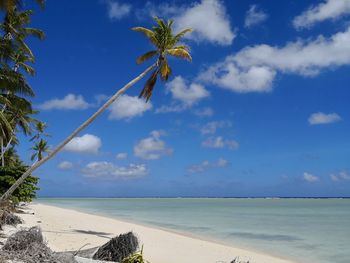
329	9
173	107
87	143
109	170
209	21
211	127
152	148
196	16
117	10
323	118
121	156
187	94
343	175
184	95
310	178
229	75
204	112
69	102
128	107
205	165
253	69
65	165
254	16
219	142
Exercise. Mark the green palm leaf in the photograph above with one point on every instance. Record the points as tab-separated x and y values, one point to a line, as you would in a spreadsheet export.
146	56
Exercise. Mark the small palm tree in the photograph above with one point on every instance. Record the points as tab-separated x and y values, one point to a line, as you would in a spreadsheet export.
40	128
165	44
39	149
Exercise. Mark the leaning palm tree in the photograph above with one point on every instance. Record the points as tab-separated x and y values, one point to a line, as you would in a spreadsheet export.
165	43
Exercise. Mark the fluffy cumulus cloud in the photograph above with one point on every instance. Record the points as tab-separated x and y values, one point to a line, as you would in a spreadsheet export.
87	143
253	69
65	165
187	94
196	16
112	171
121	156
220	142
117	10
329	9
341	176
152	147
211	127
128	107
69	102
323	118
205	165
254	16
184	95
310	178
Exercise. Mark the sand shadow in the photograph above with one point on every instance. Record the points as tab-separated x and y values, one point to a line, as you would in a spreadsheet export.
94	233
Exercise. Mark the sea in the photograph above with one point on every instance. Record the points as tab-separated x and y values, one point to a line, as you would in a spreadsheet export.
302	229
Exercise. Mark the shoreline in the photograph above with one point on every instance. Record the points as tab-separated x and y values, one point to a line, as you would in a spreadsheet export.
181	233
69	229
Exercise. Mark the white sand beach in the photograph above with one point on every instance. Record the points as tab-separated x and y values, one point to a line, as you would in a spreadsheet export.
66	229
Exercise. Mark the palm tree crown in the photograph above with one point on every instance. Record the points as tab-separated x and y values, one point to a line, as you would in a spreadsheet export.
39	149
165	43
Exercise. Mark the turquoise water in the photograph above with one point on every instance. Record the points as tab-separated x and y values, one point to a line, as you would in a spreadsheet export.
306	230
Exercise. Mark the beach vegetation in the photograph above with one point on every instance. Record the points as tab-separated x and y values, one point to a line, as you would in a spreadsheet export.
26	192
17	115
135	258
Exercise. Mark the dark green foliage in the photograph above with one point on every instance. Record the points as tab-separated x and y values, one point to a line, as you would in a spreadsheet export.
26	191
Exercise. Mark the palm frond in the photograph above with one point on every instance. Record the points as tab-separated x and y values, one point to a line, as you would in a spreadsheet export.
34	32
179	52
146	56
14	82
146	92
180	35
165	71
147	32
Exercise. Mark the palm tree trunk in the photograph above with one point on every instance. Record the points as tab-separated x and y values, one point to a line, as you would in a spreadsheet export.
2	153
4	149
36	165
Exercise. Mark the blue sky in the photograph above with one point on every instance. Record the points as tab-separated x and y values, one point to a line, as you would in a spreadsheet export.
263	109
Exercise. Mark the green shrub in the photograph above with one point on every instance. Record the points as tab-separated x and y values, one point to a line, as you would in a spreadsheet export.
26	191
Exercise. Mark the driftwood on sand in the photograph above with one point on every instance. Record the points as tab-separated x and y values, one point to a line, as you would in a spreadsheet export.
118	248
7	218
29	246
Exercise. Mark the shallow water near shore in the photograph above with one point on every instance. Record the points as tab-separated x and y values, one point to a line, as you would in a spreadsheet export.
306	230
